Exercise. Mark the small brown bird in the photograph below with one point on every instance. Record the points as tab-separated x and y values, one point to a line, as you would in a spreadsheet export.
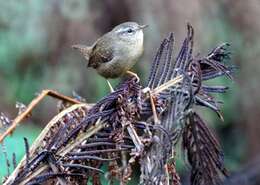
113	54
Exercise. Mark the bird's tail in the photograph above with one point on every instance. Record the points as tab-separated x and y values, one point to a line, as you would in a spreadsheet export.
85	50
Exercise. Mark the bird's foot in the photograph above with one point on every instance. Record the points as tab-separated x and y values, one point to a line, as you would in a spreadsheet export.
130	73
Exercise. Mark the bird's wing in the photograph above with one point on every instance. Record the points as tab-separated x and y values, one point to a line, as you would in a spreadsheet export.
102	52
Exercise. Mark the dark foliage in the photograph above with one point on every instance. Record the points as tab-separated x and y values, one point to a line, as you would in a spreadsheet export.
203	151
136	124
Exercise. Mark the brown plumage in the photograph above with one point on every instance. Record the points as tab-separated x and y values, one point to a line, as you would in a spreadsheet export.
113	54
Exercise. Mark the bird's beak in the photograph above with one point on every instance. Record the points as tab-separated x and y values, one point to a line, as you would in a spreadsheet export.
143	26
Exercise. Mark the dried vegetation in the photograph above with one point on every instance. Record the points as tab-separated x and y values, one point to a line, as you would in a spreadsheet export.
135	125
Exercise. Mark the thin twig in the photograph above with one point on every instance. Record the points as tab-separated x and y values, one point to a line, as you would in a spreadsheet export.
30	107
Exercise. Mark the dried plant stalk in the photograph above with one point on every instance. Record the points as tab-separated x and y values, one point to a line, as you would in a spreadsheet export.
135	124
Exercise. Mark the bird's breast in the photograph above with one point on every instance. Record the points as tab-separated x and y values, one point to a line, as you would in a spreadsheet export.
125	55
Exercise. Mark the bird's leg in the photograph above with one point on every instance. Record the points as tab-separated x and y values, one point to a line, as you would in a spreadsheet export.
110	86
31	106
133	74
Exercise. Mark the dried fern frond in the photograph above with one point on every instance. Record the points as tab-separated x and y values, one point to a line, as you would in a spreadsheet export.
136	124
203	151
180	111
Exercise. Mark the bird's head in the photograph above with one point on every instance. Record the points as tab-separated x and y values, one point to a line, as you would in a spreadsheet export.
130	32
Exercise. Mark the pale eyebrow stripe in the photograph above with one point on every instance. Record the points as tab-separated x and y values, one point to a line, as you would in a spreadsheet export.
125	29
121	30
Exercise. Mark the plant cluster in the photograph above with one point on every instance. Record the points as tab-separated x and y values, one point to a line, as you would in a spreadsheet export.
136	124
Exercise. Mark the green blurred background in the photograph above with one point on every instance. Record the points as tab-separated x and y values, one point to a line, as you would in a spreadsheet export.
35	54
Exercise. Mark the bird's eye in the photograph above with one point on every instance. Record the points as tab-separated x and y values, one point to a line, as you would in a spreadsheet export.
130	30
